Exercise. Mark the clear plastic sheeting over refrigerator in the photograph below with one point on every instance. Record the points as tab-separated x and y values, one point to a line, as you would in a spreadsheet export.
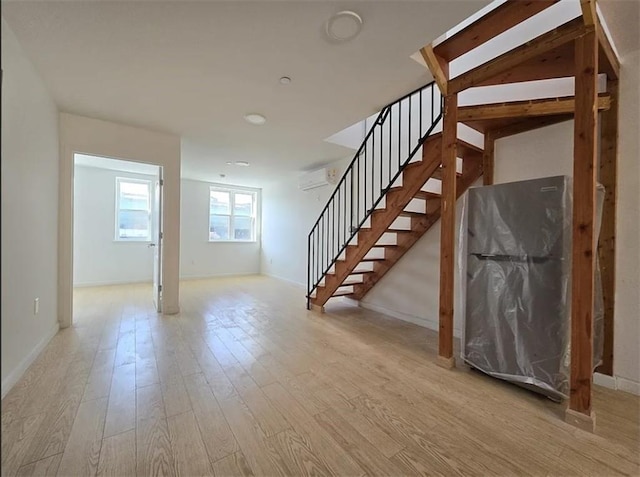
515	273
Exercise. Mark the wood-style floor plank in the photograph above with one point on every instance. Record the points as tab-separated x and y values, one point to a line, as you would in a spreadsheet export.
218	439
154	455
245	381
46	467
189	450
121	414
233	465
82	452
118	455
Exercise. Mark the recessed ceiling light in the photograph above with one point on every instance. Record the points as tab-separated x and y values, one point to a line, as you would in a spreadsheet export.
229	163
242	163
285	80
344	26
255	118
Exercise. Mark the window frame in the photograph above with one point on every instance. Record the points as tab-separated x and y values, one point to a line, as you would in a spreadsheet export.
117	237
232	191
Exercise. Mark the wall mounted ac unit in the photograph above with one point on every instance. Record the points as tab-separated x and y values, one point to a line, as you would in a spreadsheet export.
319	178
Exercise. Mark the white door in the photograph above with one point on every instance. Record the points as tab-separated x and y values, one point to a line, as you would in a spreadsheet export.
157	245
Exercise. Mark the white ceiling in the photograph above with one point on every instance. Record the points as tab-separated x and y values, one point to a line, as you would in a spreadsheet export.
115	164
195	68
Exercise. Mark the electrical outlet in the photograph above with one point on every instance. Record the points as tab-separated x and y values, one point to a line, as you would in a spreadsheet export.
36	306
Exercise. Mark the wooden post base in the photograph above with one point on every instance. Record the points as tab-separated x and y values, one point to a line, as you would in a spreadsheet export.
446	363
581	421
317	308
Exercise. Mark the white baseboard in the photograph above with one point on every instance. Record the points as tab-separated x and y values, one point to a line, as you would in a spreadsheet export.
15	375
416	320
109	283
604	380
291	282
627	385
217	275
618	383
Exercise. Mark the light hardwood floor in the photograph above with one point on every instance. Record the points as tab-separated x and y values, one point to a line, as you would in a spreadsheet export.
245	381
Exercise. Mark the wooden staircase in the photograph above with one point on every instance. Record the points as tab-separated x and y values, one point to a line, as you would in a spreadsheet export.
349	276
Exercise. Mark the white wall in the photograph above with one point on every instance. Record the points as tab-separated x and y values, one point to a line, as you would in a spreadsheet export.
626	360
200	258
84	135
99	259
410	291
29	194
288	214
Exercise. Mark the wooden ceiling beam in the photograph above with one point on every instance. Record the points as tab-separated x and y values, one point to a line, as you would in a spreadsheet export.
495	22
607	58
528	51
523	109
438	66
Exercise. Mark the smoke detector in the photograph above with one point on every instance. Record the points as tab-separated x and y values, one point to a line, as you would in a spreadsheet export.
343	26
255	118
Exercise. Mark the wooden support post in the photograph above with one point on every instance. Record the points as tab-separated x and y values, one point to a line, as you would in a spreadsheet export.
447	233
607	244
488	158
584	239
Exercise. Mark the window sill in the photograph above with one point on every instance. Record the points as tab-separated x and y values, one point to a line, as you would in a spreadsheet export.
233	241
132	241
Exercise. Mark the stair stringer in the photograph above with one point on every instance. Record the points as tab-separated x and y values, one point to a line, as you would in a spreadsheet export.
419	226
414	176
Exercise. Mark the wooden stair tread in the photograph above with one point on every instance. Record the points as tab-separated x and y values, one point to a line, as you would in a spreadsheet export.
373	259
406	213
359	272
423	194
342	293
438	174
490	25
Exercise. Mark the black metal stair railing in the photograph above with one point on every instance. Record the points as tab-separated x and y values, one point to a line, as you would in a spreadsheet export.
393	140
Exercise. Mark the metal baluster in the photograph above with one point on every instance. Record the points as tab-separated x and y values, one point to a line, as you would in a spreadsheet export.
309	265
364	196
333	229
432	105
373	165
358	196
344	215
390	141
338	221
410	143
352	200
381	162
420	132
322	247
399	133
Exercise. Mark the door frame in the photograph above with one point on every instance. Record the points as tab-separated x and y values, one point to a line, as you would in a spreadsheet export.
65	248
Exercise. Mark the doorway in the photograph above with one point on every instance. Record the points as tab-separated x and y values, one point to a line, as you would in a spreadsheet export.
117	224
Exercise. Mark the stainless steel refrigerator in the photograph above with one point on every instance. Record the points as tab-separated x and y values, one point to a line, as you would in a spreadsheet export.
518	283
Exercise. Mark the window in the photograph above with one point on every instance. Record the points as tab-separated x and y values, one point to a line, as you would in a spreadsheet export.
232	215
133	209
